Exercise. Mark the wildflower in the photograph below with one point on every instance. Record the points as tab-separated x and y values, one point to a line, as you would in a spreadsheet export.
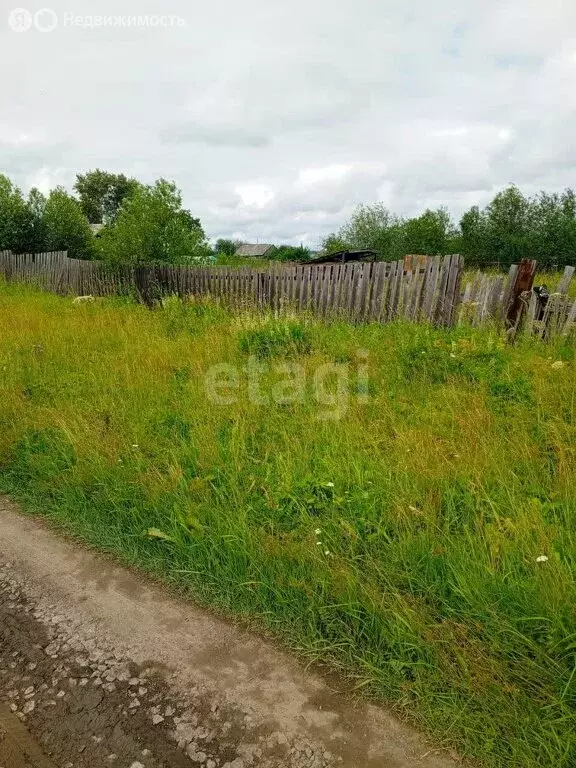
318	531
329	485
452	354
557	364
135	445
541	559
326	552
318	543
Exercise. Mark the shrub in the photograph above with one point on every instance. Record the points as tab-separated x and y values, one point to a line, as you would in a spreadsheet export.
276	338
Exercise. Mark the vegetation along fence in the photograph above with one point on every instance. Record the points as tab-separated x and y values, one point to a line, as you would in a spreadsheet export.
416	289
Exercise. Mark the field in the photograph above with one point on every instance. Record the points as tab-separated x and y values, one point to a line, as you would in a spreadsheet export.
396	501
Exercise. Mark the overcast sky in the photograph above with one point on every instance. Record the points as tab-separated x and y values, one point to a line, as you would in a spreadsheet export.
277	118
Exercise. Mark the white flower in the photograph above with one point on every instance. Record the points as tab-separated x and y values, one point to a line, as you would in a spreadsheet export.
557	364
326	552
135	445
318	543
318	531
541	559
452	354
329	485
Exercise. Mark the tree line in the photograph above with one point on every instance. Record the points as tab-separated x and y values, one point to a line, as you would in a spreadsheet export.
137	223
511	227
147	224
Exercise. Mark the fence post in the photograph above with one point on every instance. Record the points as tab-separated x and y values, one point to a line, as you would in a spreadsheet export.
523	282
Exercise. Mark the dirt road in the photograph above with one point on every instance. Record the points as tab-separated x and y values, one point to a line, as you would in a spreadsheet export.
100	667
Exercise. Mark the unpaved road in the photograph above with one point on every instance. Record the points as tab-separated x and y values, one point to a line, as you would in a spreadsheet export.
100	667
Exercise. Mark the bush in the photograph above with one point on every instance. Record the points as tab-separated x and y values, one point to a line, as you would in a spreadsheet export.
277	338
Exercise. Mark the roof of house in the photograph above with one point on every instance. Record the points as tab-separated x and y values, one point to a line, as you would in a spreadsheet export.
261	249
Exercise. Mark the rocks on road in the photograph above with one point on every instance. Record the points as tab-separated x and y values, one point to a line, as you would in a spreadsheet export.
86	705
101	667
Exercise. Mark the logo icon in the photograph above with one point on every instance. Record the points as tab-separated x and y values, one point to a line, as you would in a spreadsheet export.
45	20
20	20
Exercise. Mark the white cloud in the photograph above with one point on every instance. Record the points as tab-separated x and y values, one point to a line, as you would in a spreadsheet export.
330	173
255	195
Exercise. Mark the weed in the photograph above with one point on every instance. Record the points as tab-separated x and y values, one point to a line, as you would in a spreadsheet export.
276	338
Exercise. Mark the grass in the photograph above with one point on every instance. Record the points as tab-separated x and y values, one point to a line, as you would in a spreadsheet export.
257	262
392	529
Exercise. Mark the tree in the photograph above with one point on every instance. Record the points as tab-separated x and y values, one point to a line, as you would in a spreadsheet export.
225	247
153	228
508	227
102	193
430	233
14	218
370	226
66	226
36	234
290	253
375	227
513	227
473	226
553	228
333	243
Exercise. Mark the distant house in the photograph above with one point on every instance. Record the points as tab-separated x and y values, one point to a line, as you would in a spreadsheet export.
260	250
96	228
343	257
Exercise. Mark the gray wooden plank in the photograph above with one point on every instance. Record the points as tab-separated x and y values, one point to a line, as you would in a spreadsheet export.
564	283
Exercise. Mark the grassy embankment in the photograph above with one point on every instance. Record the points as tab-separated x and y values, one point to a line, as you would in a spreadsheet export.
401	542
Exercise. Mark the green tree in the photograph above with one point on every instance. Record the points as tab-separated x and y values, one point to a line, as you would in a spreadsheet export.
374	226
102	193
430	233
333	243
508	227
474	229
290	253
36	228
14	218
225	247
66	227
553	229
513	227
153	228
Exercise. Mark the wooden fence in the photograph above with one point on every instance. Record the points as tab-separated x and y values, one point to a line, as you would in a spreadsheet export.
515	301
361	292
427	290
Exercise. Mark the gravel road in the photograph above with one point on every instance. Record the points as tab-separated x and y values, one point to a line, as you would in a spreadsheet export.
101	667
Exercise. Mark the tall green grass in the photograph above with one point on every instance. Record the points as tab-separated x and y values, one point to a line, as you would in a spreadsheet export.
402	542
